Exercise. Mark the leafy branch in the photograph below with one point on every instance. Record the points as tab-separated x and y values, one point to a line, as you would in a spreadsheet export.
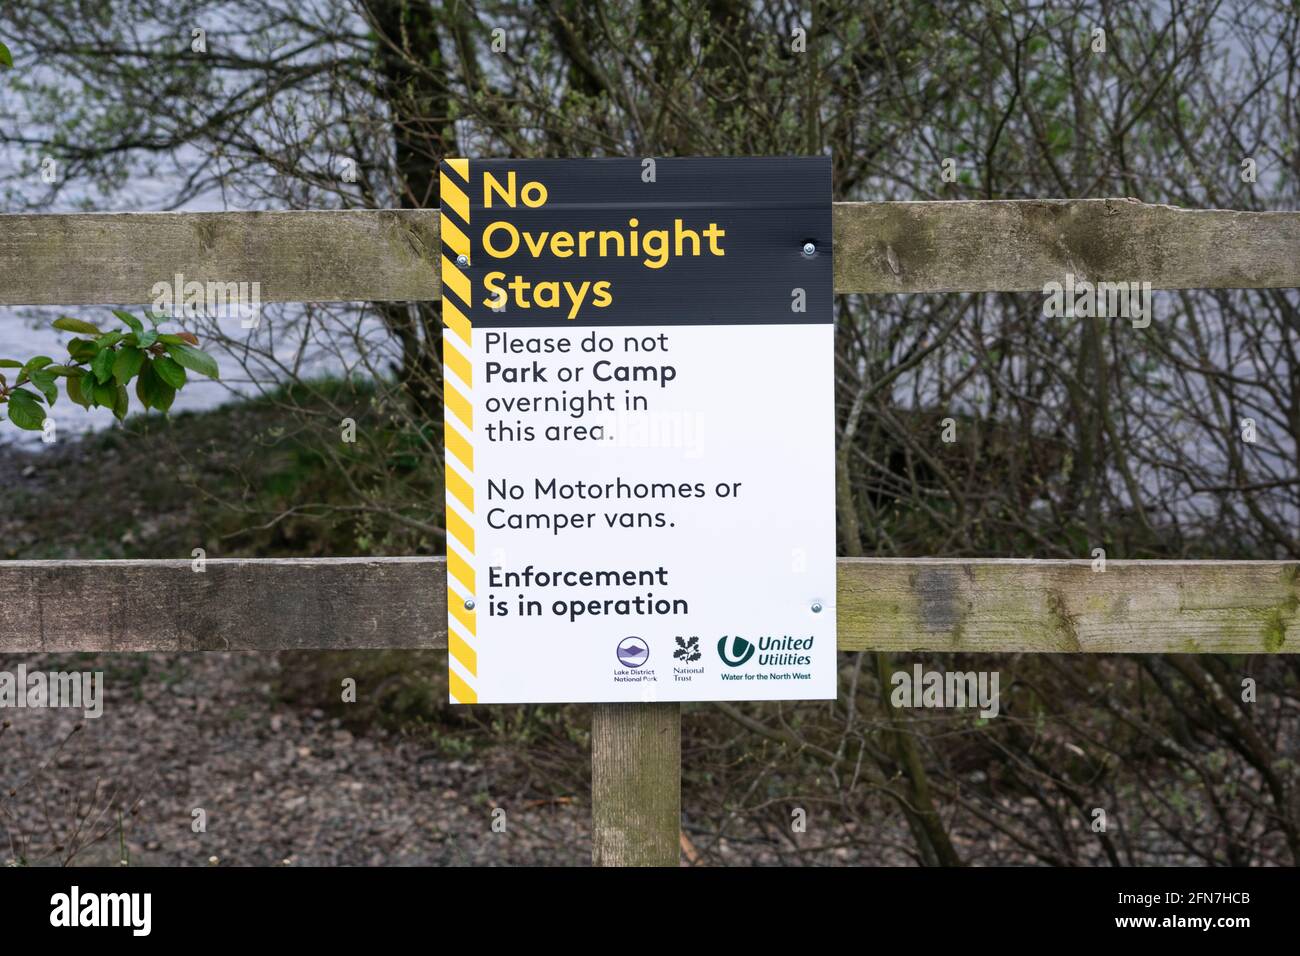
102	365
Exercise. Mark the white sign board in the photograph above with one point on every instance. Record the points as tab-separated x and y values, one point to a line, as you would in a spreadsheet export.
639	400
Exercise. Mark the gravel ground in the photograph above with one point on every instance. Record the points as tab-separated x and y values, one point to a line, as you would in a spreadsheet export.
283	784
279	786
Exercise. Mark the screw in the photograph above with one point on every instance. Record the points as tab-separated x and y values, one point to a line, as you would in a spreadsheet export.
817	607
809	249
463	260
469	604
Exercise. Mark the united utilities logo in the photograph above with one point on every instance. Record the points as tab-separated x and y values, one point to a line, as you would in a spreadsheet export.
740	651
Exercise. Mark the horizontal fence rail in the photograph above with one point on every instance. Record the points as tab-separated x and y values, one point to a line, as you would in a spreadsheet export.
116	258
392	254
903	604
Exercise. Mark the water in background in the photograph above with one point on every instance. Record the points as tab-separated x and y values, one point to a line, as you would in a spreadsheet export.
23	336
26	331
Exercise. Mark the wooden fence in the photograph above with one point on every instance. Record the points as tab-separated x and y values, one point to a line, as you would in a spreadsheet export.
884	604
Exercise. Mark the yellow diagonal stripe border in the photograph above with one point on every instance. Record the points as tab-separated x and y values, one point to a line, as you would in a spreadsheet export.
455	280
458	403
460	489
461	692
458	445
459	648
455	319
453	237
455	360
463	616
457	301
461	570
460	529
454	196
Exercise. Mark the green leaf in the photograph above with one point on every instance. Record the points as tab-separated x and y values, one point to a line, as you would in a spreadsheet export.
6	58
109	339
144	385
196	360
121	402
146	339
69	324
136	325
152	391
164	397
169	371
82	350
10	363
102	366
104	394
127	364
62	370
180	338
25	410
39	361
88	387
75	393
44	383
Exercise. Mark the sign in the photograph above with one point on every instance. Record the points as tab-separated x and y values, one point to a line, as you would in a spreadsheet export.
639	400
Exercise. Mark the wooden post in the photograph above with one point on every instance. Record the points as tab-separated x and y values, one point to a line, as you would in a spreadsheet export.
636	784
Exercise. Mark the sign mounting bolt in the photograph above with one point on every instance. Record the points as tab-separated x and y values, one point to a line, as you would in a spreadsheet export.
809	249
469	604
816	607
462	260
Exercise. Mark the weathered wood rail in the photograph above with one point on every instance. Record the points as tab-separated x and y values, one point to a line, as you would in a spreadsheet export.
882	604
385	255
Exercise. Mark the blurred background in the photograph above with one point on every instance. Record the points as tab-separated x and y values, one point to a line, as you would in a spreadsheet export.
1072	434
